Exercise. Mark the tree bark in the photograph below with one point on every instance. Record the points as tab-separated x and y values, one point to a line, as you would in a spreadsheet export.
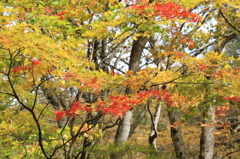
124	126
154	133
176	135
136	53
137	121
207	136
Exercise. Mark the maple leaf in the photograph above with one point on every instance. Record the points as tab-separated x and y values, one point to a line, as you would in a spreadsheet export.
35	62
236	99
185	40
20	68
219	75
61	14
59	114
167	10
191	44
180	55
176	124
72	111
204	125
68	75
202	67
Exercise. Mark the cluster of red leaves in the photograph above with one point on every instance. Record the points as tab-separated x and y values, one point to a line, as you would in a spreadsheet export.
69	75
72	111
219	75
167	10
179	54
52	11
189	42
160	95
165	96
20	68
61	14
221	110
48	10
92	84
34	62
114	73
202	67
236	99
117	105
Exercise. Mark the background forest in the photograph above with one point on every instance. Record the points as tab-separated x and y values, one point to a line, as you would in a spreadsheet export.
119	79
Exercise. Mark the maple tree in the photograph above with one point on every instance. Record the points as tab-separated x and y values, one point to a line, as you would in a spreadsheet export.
72	72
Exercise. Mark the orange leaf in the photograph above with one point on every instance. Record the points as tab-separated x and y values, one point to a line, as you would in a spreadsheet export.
191	45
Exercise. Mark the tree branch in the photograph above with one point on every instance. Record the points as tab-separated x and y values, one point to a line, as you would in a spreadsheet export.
221	13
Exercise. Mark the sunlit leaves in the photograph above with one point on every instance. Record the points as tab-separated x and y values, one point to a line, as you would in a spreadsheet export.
58	48
167	10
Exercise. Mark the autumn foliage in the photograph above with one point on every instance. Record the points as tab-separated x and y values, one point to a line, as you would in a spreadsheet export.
167	10
105	79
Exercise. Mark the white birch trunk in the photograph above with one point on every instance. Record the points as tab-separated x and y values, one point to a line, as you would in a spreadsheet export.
207	136
154	132
124	128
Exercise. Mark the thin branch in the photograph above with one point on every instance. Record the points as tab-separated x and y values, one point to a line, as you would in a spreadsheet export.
194	83
132	28
115	47
40	138
220	11
64	147
229	154
24	156
113	67
107	127
171	81
36	91
43	111
25	106
10	94
79	132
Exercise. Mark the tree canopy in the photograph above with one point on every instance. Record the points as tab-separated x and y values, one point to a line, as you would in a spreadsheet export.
78	78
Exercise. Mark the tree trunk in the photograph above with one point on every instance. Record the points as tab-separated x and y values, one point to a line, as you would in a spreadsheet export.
124	126
178	142
137	121
207	136
125	123
153	135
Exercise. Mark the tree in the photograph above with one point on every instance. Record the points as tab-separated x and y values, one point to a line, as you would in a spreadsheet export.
72	71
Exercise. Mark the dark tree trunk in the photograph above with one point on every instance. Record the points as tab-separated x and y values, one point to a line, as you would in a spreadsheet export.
176	135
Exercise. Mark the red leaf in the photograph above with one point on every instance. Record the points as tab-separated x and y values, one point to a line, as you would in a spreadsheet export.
61	14
236	99
59	114
20	68
191	44
35	62
202	67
